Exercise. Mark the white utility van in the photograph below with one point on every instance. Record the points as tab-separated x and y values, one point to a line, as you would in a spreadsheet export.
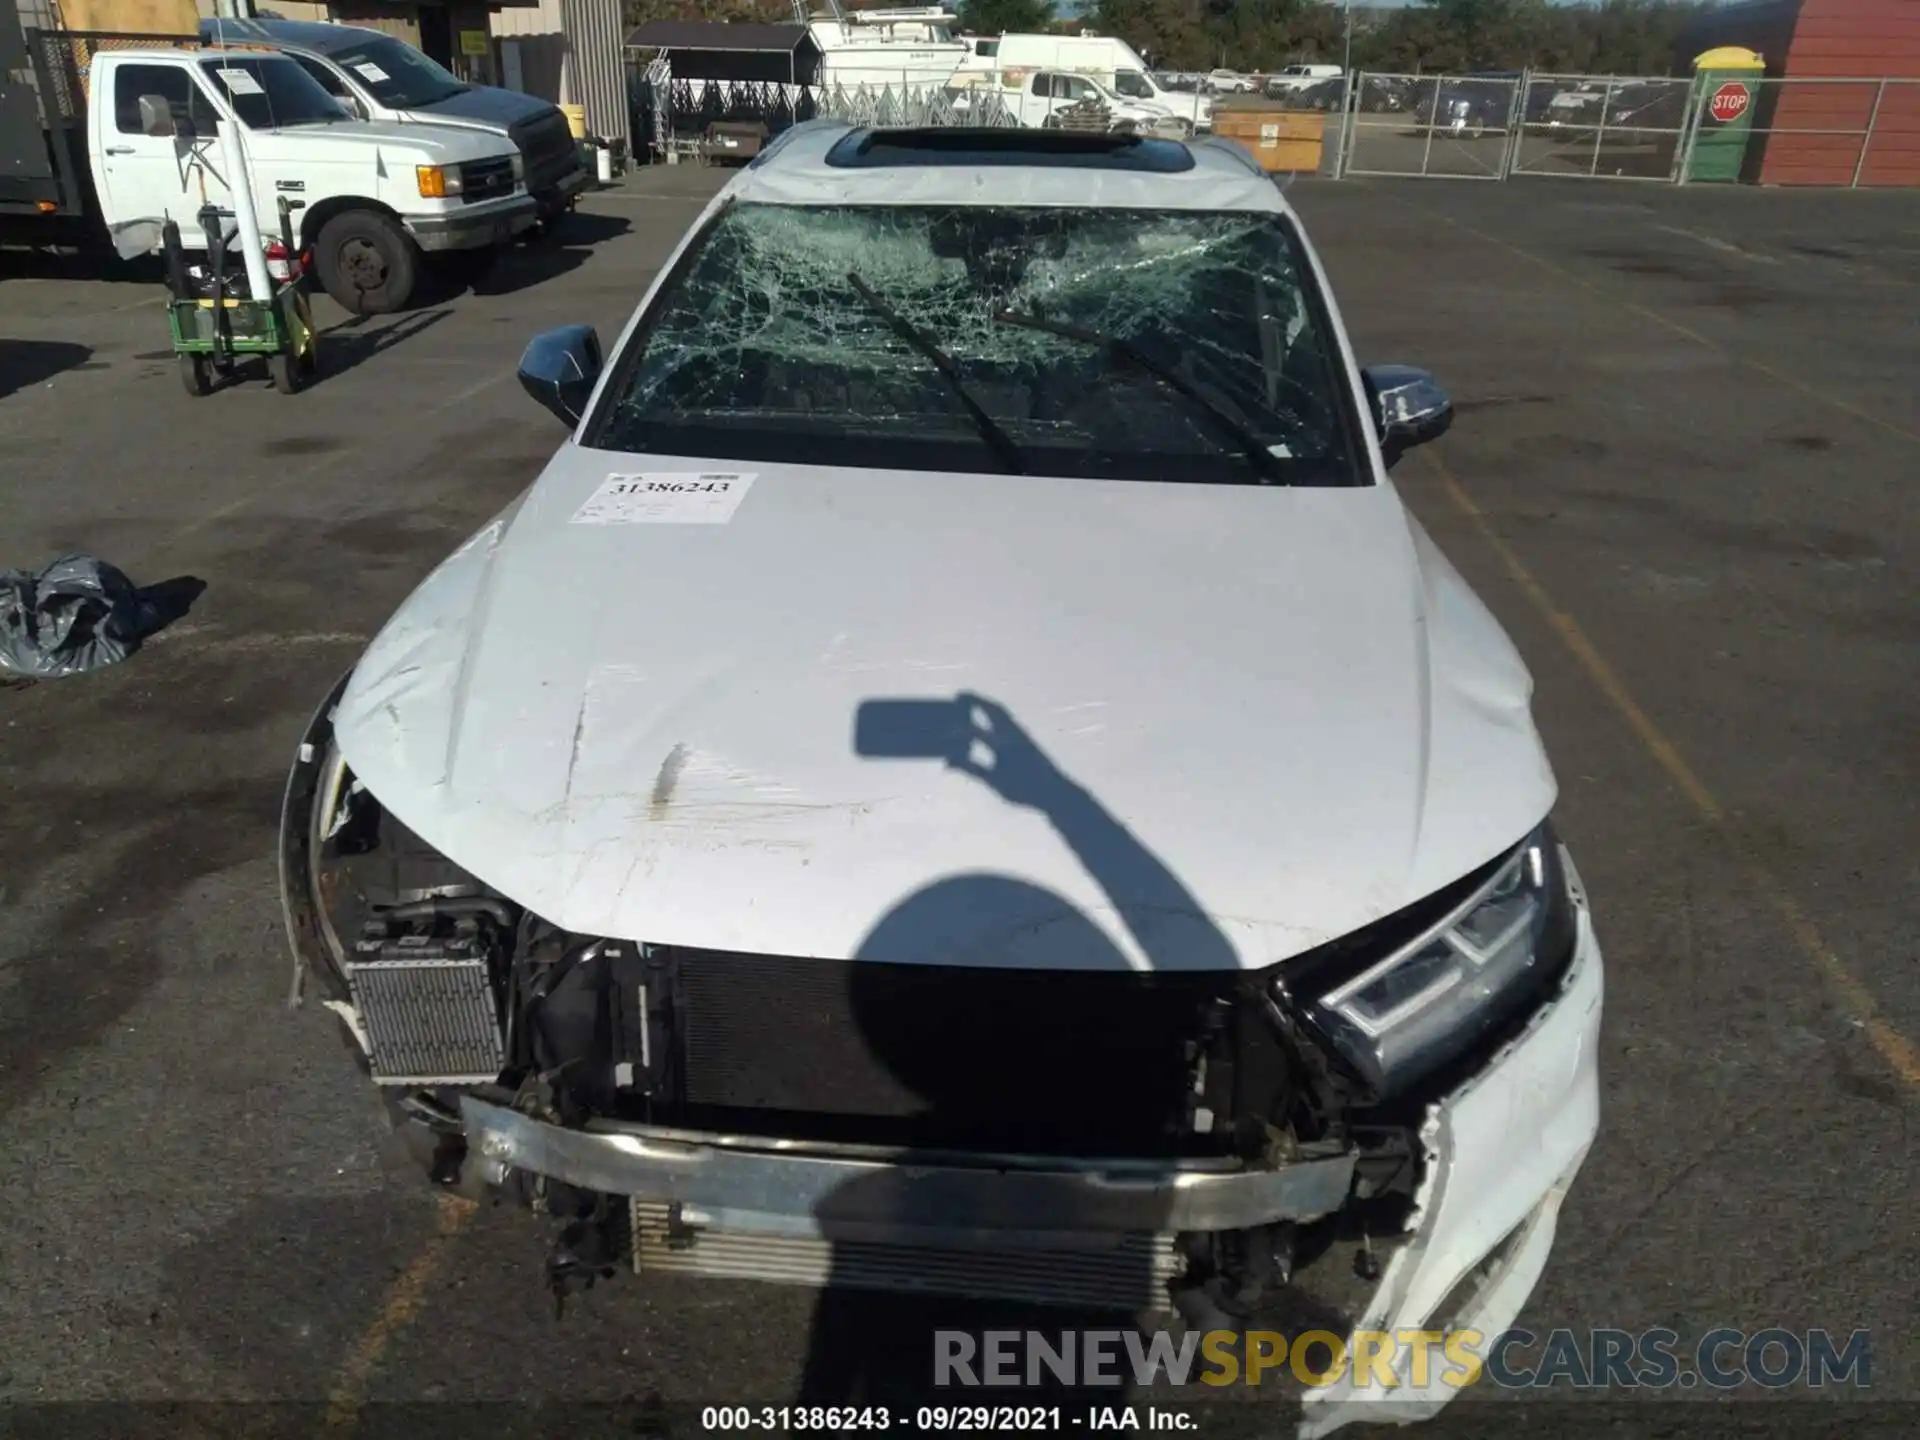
368	198
1035	98
1294	77
1116	65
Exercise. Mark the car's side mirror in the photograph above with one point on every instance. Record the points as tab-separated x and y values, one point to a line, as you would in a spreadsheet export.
1409	408
559	368
157	119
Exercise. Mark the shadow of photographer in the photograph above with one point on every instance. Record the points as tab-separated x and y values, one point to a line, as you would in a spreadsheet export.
929	1000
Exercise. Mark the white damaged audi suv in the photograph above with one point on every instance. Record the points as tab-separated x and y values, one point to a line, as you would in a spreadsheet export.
963	776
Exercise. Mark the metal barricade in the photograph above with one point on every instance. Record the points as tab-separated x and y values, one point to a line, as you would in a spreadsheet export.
1602	127
1457	126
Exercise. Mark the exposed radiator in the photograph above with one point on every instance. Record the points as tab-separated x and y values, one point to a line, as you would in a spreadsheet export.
428	1009
976	1057
1131	1272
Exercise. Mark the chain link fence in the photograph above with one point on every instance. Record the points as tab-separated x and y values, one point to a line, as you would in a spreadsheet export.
1791	131
1414	125
1616	128
1833	132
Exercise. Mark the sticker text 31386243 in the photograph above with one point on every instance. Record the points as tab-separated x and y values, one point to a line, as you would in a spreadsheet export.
665	497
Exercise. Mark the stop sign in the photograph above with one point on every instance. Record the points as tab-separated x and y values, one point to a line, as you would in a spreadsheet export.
1729	102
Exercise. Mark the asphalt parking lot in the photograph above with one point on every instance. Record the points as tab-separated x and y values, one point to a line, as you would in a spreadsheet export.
1682	474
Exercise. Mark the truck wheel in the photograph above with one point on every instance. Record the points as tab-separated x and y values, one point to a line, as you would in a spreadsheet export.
286	372
196	375
552	216
366	262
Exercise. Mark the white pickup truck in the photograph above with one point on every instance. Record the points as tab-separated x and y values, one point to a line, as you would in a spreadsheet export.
368	198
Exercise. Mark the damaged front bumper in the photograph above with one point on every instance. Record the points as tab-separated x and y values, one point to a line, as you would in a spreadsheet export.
1019	1228
1498	1156
1501	1153
781	1188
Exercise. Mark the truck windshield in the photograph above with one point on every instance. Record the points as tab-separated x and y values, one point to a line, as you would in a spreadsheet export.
271	92
397	75
779	338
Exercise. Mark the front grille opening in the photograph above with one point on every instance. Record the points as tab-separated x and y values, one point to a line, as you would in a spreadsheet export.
486	180
964	1057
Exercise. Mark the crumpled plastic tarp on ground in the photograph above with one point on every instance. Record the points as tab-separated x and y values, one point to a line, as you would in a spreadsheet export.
78	614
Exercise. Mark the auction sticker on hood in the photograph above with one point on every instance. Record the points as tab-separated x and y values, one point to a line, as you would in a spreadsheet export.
666	497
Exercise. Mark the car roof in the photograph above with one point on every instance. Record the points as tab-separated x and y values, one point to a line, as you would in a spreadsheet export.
307	34
823	162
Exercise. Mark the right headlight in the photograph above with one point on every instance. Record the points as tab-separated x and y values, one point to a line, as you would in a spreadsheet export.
1436	995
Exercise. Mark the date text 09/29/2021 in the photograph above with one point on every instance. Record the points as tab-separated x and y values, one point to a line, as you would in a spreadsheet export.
959	1419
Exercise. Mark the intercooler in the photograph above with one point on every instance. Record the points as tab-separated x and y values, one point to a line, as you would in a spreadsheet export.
428	1009
1124	1272
1061	1062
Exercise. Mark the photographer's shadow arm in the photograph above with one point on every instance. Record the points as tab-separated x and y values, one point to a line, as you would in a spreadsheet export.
1165	919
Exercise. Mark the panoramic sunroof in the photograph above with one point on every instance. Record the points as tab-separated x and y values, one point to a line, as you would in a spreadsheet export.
1059	149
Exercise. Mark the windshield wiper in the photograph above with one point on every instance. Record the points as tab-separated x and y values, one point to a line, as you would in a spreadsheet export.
997	439
1250	444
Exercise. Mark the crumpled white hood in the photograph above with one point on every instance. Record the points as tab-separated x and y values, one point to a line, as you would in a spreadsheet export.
1264	717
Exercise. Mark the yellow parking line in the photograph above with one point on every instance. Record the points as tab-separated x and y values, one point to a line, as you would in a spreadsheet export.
403	1302
1894	1048
1667	322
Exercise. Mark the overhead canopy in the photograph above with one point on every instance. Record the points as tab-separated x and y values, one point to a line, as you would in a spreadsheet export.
712	50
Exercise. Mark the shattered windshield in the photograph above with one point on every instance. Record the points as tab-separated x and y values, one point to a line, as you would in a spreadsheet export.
1124	344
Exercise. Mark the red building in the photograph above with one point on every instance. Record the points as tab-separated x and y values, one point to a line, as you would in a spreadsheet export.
1812	134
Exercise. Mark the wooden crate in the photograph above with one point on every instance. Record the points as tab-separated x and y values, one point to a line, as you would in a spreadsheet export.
1280	139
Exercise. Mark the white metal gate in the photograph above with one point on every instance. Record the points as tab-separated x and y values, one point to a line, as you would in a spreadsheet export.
1602	127
1458	126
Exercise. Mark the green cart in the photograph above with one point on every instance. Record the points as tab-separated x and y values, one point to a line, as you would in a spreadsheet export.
213	331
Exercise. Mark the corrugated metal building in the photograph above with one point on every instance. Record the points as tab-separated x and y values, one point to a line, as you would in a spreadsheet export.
1829	40
570	52
454	32
533	51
